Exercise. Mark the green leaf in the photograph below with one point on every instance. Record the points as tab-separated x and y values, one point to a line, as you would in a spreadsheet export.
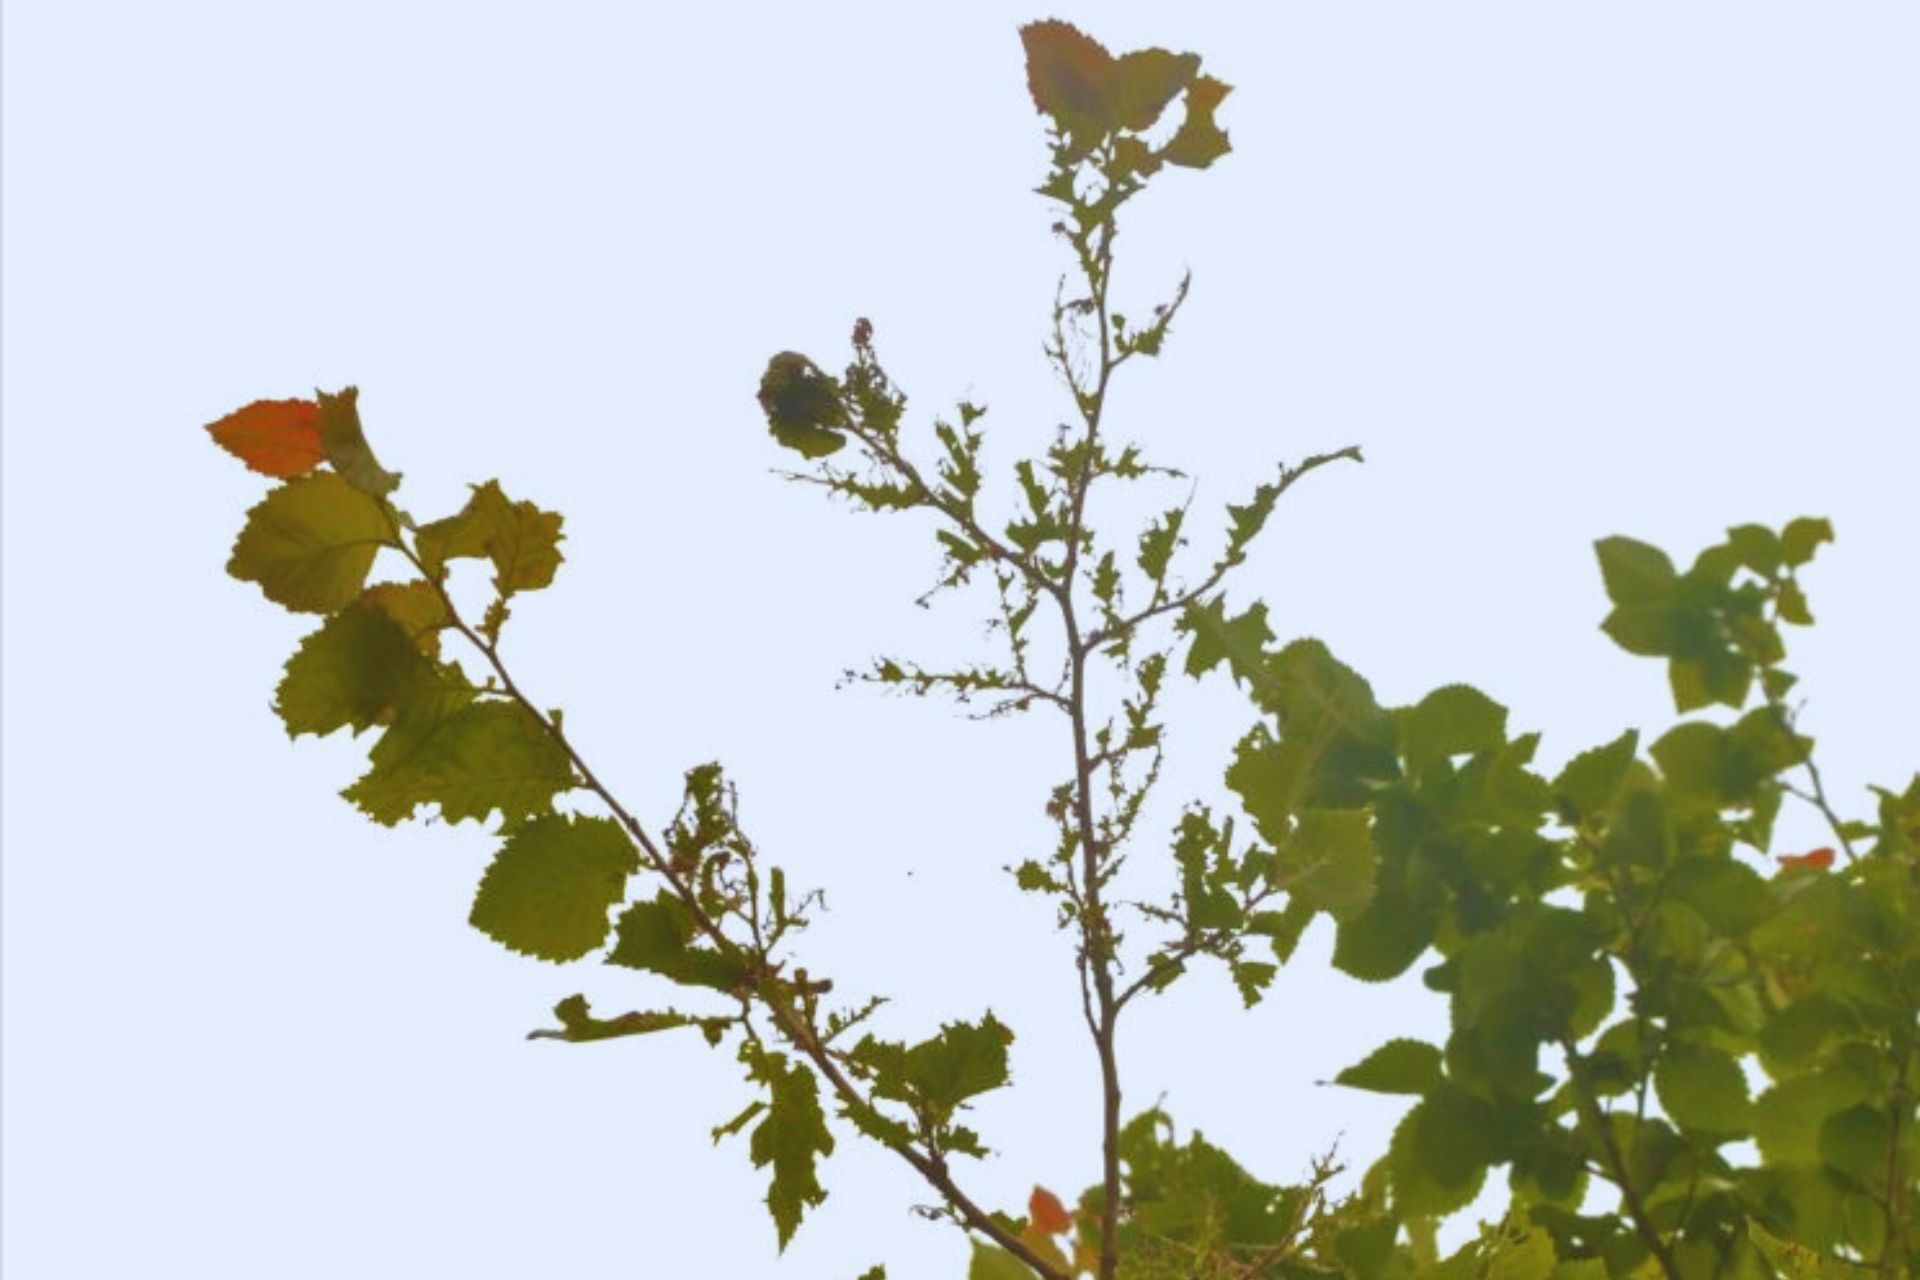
310	542
1591	781
1240	642
1282	929
658	935
548	891
1398	1066
1454	720
346	445
417	606
1729	895
936	1076
1757	546
1788	1118
1855	1142
1702	1088
1634	572
791	1137
468	757
1440	1153
1795	1261
1388	936
1251	978
355	671
1802	537
991	1262
1157	542
1329	860
1793	607
522	540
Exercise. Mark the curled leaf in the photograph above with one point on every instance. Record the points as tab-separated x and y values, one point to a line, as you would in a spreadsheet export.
347	448
802	405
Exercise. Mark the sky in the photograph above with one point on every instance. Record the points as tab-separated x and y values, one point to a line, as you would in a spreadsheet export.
1563	271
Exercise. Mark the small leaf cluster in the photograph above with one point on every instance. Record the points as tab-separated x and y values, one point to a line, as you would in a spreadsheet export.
1638	990
717	922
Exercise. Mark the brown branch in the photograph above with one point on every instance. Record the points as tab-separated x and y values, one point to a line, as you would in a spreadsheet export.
1619	1175
930	1165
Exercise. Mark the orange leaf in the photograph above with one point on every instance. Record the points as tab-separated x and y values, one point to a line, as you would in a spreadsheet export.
1818	860
1047	1212
273	437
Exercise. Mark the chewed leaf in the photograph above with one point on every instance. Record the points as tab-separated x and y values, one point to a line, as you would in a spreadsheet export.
521	540
578	1025
1200	141
791	1137
469	757
310	543
1145	81
274	437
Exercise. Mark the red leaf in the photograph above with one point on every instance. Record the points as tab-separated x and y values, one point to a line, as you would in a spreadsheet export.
1048	1214
273	437
1818	860
1070	75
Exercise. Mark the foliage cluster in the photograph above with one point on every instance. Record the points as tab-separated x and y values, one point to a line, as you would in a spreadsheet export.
1689	1057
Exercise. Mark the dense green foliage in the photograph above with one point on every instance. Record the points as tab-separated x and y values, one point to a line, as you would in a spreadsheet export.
1688	1056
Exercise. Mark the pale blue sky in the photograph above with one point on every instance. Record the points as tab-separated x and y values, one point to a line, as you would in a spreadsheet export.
1563	270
